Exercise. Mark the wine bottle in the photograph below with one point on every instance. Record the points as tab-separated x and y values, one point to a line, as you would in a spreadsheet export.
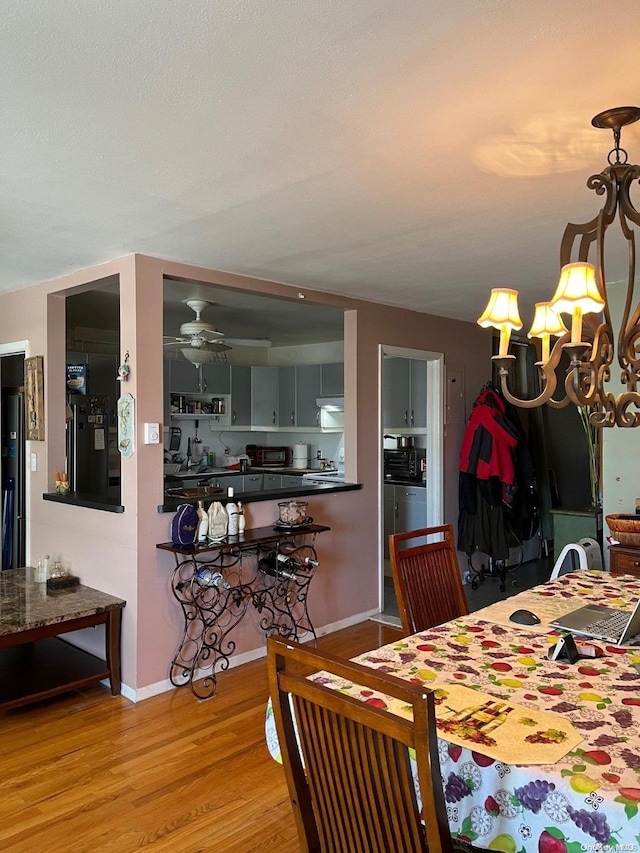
207	577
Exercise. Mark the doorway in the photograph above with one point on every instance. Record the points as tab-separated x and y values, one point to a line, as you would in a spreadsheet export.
411	405
13	480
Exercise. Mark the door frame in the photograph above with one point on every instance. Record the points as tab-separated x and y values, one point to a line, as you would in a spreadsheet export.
434	442
22	348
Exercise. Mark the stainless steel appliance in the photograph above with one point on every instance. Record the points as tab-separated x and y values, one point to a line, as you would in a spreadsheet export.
13	477
262	456
88	445
404	466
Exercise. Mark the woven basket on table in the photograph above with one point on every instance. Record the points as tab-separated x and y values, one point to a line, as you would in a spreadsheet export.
625	528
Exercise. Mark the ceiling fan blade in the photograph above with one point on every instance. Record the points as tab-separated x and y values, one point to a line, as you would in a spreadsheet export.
248	342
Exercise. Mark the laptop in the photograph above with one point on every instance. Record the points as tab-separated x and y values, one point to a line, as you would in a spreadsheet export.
602	623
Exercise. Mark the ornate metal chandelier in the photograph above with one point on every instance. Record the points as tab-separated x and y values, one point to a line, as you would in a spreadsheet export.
582	293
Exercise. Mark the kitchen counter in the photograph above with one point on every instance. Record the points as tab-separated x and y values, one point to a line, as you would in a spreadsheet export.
306	489
221	472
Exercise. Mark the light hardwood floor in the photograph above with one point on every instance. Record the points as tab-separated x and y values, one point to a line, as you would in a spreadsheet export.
90	772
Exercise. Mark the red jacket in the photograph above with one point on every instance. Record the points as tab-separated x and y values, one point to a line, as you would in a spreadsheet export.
489	441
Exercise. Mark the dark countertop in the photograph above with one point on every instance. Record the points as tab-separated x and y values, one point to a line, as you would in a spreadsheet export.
306	490
90	501
26	605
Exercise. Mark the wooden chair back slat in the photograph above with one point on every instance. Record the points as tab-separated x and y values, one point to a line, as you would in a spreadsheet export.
347	762
426	578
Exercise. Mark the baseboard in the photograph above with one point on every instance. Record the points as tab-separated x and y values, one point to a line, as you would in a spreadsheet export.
240	659
384	619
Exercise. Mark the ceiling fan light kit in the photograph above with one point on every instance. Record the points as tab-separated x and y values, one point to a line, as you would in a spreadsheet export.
581	293
201	343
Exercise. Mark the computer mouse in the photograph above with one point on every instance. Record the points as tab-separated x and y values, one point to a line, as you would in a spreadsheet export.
524	617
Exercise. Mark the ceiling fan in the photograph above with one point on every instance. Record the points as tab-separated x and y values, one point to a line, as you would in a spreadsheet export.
201	343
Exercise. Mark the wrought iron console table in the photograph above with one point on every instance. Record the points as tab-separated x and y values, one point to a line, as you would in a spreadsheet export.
214	589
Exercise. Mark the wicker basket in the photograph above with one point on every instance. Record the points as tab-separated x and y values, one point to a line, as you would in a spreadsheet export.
625	528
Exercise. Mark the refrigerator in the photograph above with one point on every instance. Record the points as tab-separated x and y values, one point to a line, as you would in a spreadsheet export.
88	444
13	480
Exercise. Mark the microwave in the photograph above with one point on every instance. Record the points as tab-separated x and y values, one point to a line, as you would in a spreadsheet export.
269	457
404	466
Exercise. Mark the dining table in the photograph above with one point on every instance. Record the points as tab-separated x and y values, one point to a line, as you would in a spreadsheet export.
535	754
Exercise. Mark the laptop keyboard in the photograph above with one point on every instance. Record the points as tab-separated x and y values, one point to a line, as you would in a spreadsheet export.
612	626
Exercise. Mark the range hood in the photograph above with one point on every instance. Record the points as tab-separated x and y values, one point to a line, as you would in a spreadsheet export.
331	404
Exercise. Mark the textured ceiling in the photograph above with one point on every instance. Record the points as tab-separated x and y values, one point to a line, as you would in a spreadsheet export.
413	153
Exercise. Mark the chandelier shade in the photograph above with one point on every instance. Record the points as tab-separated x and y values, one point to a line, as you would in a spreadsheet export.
577	294
502	313
581	292
547	323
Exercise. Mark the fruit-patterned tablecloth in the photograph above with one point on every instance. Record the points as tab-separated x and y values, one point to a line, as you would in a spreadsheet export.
590	798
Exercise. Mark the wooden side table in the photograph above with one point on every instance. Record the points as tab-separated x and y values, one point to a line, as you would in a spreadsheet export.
34	662
624	560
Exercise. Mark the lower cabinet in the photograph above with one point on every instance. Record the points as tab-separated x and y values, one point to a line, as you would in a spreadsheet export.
240	482
252	482
405	508
271	481
291	481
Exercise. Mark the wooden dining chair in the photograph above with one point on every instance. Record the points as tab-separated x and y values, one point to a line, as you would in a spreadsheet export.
347	762
426	577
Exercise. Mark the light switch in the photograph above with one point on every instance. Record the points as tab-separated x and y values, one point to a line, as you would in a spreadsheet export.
152	433
34	461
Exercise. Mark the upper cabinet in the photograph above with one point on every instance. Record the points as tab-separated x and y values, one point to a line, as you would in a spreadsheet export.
261	397
287	396
240	395
332	379
185	378
264	397
308	389
405	393
299	388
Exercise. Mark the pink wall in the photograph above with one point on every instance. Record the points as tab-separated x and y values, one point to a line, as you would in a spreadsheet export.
117	553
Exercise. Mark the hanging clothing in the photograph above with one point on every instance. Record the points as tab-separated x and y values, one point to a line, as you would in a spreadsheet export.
489	443
495	477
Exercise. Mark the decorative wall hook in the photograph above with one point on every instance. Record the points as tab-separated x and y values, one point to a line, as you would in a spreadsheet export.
124	370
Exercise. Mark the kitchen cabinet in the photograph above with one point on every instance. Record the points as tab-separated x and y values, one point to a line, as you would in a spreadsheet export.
291	481
264	396
240	395
271	481
404	508
252	482
216	379
298	390
210	379
405	393
332	380
308	377
287	396
184	378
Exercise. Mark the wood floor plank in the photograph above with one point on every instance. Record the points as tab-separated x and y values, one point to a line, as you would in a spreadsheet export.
92	773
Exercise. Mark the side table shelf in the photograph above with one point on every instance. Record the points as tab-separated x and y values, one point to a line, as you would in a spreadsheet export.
214	587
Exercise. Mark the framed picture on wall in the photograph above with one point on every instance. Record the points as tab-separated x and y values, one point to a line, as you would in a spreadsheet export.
34	398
